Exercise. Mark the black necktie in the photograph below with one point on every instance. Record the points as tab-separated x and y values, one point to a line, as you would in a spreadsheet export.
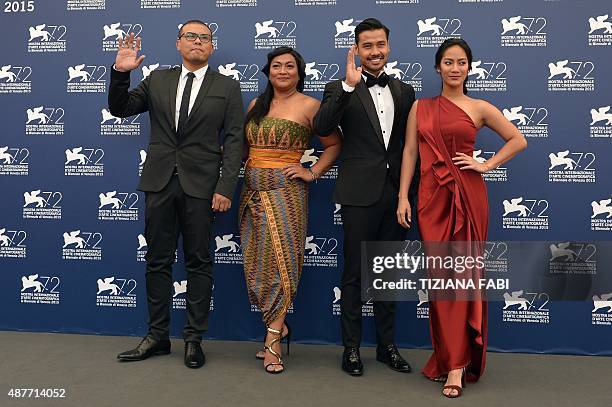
371	80
184	112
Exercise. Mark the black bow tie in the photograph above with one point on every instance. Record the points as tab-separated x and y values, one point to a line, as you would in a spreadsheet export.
371	80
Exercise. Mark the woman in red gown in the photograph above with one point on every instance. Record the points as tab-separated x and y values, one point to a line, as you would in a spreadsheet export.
452	203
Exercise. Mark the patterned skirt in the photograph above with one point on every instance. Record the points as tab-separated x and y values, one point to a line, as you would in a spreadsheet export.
273	216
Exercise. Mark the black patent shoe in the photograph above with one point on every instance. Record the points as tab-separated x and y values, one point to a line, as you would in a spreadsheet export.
351	361
392	358
194	356
148	347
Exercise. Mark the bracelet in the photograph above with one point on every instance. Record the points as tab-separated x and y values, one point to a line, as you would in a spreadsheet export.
314	175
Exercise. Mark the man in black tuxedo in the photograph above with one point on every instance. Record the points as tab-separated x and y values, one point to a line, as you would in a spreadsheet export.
189	106
371	109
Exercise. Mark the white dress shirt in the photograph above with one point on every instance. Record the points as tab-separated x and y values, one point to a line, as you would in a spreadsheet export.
385	108
195	89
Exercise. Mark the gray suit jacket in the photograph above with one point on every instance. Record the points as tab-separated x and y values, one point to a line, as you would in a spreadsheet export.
198	153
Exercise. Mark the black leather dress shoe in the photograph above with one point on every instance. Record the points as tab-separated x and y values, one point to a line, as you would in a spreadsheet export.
194	357
351	362
149	346
391	356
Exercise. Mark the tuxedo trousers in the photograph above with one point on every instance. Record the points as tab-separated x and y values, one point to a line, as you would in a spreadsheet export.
377	222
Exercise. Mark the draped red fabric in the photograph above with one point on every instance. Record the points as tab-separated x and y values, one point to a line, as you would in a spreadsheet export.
452	206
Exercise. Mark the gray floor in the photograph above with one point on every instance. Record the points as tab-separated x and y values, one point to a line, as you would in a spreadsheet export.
86	367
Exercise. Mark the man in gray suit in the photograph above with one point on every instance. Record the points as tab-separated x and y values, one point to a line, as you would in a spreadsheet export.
189	107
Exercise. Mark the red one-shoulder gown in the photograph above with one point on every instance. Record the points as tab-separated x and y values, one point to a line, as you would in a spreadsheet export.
452	206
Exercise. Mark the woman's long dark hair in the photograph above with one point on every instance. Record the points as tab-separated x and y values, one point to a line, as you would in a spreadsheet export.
450	43
262	104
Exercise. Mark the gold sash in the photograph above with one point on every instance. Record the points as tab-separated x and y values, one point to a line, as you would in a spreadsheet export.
268	158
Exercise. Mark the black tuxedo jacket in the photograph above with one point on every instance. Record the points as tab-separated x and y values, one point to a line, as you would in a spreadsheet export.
198	153
364	159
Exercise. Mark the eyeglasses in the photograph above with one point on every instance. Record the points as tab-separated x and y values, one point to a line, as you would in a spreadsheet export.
189	36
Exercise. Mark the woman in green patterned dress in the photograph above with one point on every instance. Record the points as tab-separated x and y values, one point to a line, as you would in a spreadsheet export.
274	202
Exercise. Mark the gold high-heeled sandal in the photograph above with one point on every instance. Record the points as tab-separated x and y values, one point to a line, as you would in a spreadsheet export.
268	347
262	353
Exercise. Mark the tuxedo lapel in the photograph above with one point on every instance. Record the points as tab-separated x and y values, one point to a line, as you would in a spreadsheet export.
206	83
172	88
396	92
366	99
